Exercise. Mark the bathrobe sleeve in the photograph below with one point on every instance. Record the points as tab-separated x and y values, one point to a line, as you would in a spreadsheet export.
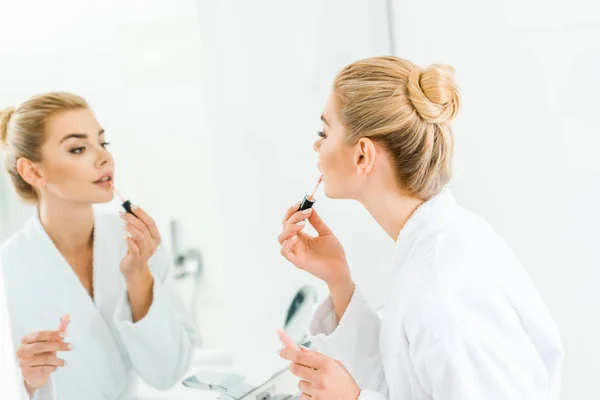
161	344
354	342
13	386
479	358
44	393
459	369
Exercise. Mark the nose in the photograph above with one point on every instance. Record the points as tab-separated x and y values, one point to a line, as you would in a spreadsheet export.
317	145
104	157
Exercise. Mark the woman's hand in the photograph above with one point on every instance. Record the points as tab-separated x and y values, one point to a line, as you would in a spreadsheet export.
37	356
322	256
322	377
142	241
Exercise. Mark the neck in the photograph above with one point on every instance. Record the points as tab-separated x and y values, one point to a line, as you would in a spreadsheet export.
70	226
390	208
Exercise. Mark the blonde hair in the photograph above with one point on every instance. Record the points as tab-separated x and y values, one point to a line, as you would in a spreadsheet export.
407	109
22	133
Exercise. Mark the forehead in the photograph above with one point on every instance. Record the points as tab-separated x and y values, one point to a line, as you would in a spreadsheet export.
71	121
331	110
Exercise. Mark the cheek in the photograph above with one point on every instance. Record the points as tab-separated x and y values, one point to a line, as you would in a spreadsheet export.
63	170
328	159
336	164
336	159
329	148
56	173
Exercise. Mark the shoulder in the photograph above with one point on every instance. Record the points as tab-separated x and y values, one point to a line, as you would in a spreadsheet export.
464	283
465	244
468	246
467	228
13	243
17	247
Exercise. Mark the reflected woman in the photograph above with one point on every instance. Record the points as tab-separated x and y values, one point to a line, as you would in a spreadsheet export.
110	275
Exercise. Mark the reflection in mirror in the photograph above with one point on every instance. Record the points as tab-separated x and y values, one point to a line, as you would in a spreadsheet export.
300	314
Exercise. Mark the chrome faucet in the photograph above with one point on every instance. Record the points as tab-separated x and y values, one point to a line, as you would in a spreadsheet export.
184	269
180	259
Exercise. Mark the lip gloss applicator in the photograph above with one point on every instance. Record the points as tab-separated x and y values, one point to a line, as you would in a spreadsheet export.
309	200
126	204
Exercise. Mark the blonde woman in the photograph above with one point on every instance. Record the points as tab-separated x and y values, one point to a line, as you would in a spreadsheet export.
109	274
462	318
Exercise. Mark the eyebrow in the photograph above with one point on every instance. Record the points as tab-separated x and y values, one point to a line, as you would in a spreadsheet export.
324	120
79	135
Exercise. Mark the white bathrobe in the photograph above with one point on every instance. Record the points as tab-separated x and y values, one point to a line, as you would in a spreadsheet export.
109	350
9	389
462	319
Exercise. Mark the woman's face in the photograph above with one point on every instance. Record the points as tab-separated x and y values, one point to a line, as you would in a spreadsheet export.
337	159
76	166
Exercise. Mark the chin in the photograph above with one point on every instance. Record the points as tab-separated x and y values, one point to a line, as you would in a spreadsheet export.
338	193
331	194
102	199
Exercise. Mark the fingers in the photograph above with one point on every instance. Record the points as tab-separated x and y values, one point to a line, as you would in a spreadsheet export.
303	372
148	222
298	216
142	241
305	357
31	349
317	223
294	224
306	388
289	231
133	247
304	396
287	248
293	216
35	372
37	353
133	222
47	359
43	336
290	211
64	323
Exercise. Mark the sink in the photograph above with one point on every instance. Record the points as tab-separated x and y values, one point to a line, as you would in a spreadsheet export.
204	359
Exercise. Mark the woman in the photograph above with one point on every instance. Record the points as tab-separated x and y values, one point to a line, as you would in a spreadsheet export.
462	318
109	275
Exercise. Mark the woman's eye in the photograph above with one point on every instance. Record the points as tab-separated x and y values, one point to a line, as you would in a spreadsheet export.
105	144
78	150
322	134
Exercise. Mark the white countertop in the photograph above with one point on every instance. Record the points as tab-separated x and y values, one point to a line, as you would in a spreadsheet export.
212	360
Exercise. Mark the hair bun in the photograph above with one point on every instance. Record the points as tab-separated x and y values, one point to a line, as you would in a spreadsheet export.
433	93
4	119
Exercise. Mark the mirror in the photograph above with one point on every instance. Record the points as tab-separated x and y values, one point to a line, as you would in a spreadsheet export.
300	313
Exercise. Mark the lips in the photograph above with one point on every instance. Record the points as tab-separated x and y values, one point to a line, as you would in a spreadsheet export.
104	178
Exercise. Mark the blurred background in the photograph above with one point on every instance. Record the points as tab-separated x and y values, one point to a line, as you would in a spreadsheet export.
212	108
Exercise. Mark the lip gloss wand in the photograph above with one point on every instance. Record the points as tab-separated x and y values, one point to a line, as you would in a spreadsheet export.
309	200
126	204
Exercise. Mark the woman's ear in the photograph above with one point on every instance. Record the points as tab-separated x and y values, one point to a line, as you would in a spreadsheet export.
365	156
30	173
